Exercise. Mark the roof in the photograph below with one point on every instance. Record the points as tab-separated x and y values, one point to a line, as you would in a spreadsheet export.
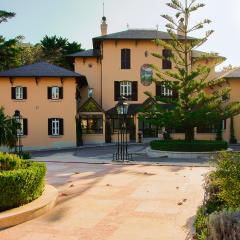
87	53
137	34
137	107
233	74
41	69
198	54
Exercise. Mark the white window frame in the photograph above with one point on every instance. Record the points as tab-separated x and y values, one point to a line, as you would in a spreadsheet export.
55	127
126	88
166	92
55	93
20	130
19	93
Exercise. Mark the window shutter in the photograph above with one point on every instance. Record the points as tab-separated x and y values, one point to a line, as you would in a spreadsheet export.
175	94
61	93
49	93
125	58
50	126
13	92
24	93
128	59
158	90
134	91
61	126
25	126
166	64
116	91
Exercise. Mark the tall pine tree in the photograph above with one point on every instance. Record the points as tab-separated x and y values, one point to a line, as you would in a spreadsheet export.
198	100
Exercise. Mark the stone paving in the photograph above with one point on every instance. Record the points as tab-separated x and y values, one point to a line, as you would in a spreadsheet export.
114	202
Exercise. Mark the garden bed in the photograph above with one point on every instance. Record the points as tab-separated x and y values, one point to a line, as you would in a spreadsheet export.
21	181
197	146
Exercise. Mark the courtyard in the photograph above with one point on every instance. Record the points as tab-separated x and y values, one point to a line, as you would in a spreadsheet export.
108	201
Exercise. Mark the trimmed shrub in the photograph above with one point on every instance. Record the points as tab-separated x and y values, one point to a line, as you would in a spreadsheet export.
26	155
185	146
9	162
21	181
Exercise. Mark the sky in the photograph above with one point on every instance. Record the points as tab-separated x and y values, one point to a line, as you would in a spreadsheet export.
79	20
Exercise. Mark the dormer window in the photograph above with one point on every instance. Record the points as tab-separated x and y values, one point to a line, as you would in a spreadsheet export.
125	58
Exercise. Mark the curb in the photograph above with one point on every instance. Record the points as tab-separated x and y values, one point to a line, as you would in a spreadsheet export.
82	147
160	164
32	210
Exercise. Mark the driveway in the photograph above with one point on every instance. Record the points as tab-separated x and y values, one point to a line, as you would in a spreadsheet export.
114	202
104	154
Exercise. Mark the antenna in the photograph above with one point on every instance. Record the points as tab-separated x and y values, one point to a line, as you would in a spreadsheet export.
103	9
157	26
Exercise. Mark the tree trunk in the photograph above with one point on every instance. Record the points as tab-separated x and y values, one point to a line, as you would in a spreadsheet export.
189	134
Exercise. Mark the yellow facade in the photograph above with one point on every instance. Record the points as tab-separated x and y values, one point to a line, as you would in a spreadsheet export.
101	73
37	109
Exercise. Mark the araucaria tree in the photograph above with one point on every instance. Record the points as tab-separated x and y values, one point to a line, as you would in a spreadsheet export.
198	99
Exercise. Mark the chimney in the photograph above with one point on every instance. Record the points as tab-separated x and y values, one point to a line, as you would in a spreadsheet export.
104	26
181	28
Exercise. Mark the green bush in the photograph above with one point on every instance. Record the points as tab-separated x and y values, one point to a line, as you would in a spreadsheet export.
185	146
222	192
26	155
9	162
200	224
226	178
21	181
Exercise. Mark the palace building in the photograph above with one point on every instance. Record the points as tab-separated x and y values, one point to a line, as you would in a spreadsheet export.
118	65
54	102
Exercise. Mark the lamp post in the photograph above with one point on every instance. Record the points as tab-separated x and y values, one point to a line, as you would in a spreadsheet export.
18	118
122	146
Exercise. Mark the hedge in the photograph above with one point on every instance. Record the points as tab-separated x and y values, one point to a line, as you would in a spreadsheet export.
188	146
21	181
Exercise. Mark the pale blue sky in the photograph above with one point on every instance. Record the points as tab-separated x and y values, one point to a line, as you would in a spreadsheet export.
79	20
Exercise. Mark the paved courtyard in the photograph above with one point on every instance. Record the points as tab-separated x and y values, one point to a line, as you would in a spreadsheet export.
114	202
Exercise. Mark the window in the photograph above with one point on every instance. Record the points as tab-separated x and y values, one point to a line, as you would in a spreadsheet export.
92	124
125	89
23	131
166	63
55	93
212	128
166	92
163	91
125	58
55	126
19	93
128	89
